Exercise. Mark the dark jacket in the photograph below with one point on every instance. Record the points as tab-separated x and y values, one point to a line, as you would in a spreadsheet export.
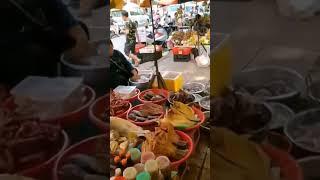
120	69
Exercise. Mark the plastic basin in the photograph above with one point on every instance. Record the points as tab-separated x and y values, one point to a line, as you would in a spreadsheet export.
135	97
87	146
188	139
41	171
96	109
289	168
200	116
162	92
68	119
145	123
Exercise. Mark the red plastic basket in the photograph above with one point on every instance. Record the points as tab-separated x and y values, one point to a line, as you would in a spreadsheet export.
188	139
146	123
68	119
87	146
201	117
289	168
132	99
181	51
42	171
97	108
162	92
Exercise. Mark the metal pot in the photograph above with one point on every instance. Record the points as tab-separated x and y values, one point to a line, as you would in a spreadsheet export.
263	75
96	76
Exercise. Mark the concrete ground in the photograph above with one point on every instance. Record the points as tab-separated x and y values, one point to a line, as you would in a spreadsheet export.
260	35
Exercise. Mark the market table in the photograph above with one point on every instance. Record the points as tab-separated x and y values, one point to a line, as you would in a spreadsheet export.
199	163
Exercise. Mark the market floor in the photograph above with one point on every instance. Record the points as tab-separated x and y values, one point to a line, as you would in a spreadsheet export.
260	33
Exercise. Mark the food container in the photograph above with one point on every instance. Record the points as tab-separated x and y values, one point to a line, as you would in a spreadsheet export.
42	171
289	168
200	116
192	96
206	125
310	167
281	114
260	76
145	123
303	130
204	103
87	146
181	51
142	85
173	80
163	92
279	141
97	109
96	76
187	138
199	87
221	72
68	119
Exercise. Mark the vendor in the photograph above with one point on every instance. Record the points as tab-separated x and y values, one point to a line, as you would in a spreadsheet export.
121	70
34	36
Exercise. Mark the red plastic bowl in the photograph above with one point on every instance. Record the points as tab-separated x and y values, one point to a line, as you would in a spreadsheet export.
96	109
135	97
201	117
289	168
42	171
68	119
188	139
145	123
162	92
87	146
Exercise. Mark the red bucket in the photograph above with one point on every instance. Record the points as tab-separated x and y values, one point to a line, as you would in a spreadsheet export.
188	139
135	97
87	146
96	109
42	171
146	123
289	168
162	92
68	119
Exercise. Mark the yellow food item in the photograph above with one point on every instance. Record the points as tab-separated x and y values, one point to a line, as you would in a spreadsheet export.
184	110
161	141
236	158
124	127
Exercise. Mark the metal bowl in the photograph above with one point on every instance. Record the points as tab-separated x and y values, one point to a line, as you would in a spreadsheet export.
305	123
191	84
263	75
310	167
141	85
201	103
96	76
281	114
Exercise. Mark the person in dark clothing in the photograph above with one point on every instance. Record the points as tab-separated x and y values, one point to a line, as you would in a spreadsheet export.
131	32
121	70
35	33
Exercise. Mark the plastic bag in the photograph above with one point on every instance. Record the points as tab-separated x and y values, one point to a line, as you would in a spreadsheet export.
203	60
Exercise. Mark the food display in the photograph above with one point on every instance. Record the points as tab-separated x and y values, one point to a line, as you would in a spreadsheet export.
178	37
146	112
182	97
274	88
85	165
39	142
241	113
194	88
150	96
181	116
118	106
164	141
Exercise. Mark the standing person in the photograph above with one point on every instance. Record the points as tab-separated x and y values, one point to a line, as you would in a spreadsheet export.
131	32
121	69
34	36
